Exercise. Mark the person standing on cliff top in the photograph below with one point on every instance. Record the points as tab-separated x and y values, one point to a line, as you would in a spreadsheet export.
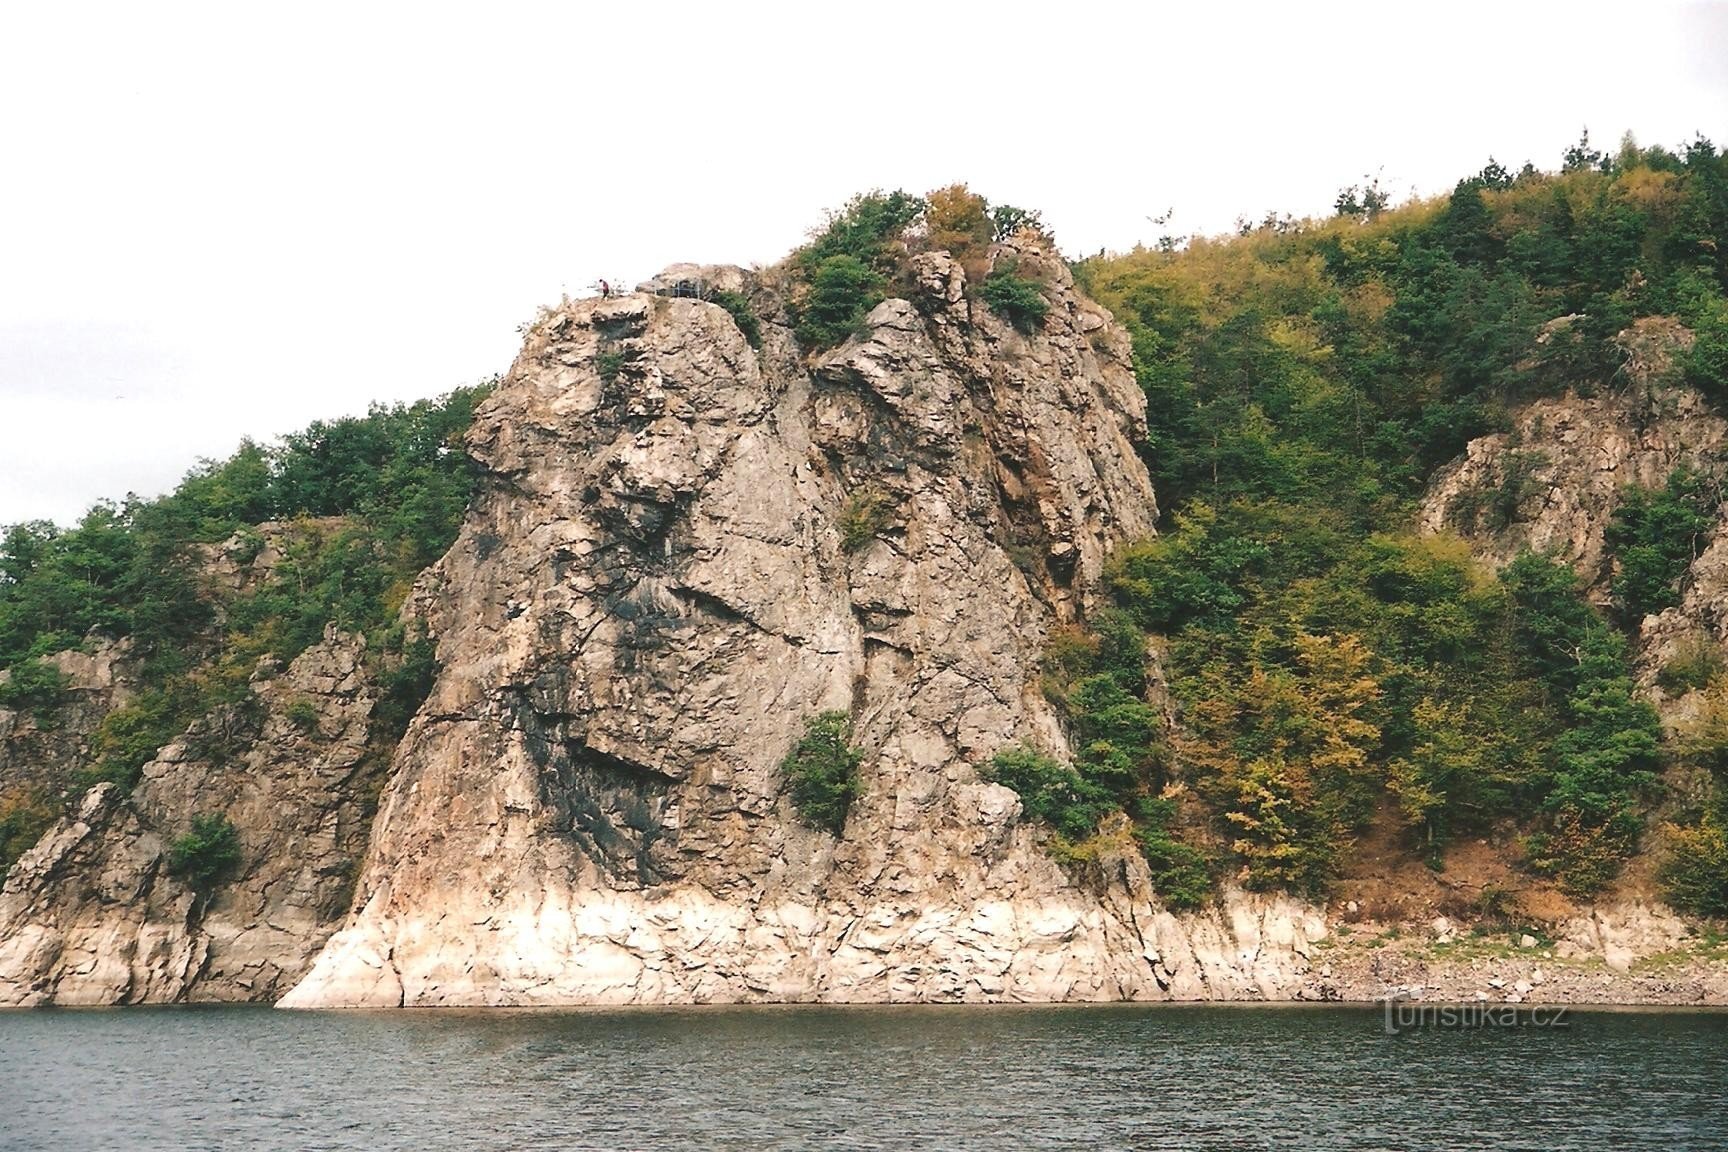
605	290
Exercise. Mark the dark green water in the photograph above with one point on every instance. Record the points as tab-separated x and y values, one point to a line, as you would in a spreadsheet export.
890	1078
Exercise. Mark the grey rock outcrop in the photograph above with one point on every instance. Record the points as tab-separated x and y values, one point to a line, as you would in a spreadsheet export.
92	913
38	754
1552	484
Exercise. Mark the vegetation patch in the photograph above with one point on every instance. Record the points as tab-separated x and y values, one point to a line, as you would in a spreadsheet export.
36	687
866	514
1693	868
362	504
1052	792
1097	681
850	265
1655	535
1016	299
609	363
24	815
302	713
844	271
743	313
1697	660
822	769
1304	379
207	855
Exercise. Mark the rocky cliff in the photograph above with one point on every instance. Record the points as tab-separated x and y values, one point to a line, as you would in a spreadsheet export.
93	914
684	547
686	542
1552	483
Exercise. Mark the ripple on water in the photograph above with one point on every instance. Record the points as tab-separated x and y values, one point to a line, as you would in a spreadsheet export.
853	1078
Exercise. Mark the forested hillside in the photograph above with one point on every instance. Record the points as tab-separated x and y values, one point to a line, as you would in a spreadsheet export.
356	507
1331	668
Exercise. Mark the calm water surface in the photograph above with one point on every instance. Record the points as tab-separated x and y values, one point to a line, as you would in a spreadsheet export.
891	1078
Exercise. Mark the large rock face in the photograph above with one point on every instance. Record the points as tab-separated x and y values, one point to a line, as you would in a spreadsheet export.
683	548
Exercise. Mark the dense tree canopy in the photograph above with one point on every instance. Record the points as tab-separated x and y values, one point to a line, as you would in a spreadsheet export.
1304	379
361	504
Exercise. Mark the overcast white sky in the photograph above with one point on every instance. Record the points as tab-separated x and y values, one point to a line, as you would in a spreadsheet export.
229	220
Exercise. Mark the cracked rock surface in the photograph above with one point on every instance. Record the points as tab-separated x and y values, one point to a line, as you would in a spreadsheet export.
92	913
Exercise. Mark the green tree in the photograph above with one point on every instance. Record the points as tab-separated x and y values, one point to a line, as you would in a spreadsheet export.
1016	299
843	289
207	855
822	769
1655	536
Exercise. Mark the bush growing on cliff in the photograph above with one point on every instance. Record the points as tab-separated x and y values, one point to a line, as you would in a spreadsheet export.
1655	535
743	314
864	516
404	682
842	291
845	268
851	264
34	686
1053	793
302	713
128	738
865	229
1180	873
957	221
24	816
822	769
1016	299
1492	509
609	362
1075	801
206	855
